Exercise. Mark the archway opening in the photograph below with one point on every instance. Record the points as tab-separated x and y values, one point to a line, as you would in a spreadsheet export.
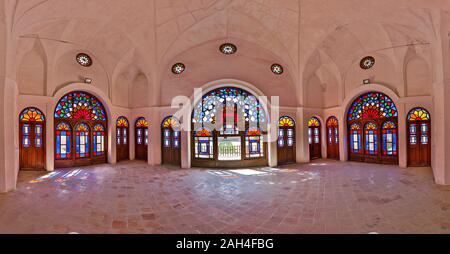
228	126
373	127
80	136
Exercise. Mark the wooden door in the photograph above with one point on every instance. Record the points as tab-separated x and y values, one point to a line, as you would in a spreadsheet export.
419	137
141	143
286	145
315	151
419	145
122	142
32	146
333	138
171	146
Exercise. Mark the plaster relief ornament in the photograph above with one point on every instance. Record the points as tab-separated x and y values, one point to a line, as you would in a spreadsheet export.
367	62
178	68
84	60
277	69
228	49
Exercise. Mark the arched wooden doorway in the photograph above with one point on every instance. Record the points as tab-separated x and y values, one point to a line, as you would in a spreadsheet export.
333	138
141	139
315	141
122	139
171	141
286	141
80	136
419	138
372	125
32	139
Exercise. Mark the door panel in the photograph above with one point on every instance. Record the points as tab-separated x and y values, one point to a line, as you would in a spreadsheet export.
315	151
333	143
32	146
122	144
171	147
286	145
419	143
141	143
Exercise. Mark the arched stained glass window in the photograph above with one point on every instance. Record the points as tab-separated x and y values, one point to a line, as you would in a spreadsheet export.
32	115
314	122
232	103
99	140
171	122
122	122
82	140
372	106
389	133
418	114
286	121
80	106
63	141
332	122
142	123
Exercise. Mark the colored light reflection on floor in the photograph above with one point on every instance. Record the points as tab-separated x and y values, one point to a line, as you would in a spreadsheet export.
59	176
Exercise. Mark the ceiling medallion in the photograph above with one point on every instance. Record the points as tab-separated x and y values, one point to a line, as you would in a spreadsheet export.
277	69
178	68
228	48
84	60
367	62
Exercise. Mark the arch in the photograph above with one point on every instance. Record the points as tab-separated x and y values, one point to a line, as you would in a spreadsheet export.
286	144
171	141
332	126
237	121
376	114
419	137
32	139
85	114
122	138
141	134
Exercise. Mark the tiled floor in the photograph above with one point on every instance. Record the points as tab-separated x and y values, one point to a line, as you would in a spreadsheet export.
323	197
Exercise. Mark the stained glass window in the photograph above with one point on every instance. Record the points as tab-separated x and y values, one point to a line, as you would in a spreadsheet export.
355	138
63	141
122	122
31	115
227	103
314	122
80	106
171	122
372	106
84	60
424	139
99	140
277	69
228	48
203	144
332	122
178	68
38	135
82	141
418	114
371	133
26	143
389	132
286	121
142	123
